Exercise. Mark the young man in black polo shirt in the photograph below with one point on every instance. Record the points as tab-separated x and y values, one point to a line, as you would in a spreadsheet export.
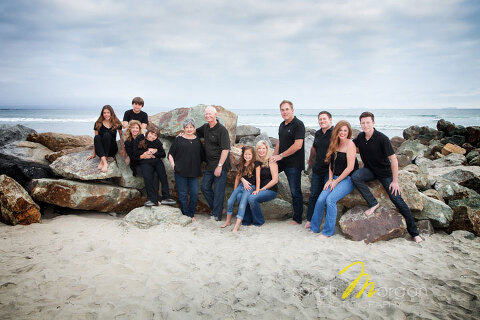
290	155
217	149
136	113
320	169
380	162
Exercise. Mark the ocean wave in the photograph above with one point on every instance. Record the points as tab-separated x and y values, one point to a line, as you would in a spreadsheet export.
47	120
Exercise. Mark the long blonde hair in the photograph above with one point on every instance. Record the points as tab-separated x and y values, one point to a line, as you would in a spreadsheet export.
128	132
335	140
267	155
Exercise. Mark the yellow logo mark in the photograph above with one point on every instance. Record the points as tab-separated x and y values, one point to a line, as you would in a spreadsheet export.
354	283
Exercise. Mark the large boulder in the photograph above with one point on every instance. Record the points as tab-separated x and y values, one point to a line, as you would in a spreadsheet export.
384	224
246	130
408	189
76	166
432	193
147	217
276	209
456	139
24	171
10	133
412	148
86	195
170	123
453	159
461	220
27	151
450	190
436	211
16	206
127	179
450	129
396	142
464	178
473	134
284	188
425	227
262	136
60	141
452	148
470	205
247	140
55	155
423	134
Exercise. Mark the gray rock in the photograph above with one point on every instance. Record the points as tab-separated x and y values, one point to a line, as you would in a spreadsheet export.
424	162
475	161
456	139
423	134
10	133
76	166
86	195
453	159
24	171
284	189
262	136
473	154
308	147
464	178
127	179
425	227
276	209
438	212
396	142
462	234
247	140
473	134
246	130
432	193
16	206
26	151
450	190
147	217
412	148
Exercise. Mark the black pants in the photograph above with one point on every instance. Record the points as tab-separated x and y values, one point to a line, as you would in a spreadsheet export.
138	172
149	167
105	145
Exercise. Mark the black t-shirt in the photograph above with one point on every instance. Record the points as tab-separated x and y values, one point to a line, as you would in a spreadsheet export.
375	153
188	155
130	115
216	140
265	176
287	134
156	144
321	144
252	179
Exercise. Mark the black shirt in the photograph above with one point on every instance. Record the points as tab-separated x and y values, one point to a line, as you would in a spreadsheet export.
216	140
130	115
134	160
252	179
321	144
265	176
375	153
104	130
188	155
339	163
287	134
157	144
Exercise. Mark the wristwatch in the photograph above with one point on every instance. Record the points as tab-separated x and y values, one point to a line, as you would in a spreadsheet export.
281	154
220	164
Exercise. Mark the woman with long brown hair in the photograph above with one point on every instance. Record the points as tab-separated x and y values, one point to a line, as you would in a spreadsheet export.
341	155
105	141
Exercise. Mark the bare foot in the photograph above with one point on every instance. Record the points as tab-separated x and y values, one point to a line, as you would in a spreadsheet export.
371	210
100	166
159	203
417	239
293	222
322	236
194	219
235	229
226	224
307	225
104	168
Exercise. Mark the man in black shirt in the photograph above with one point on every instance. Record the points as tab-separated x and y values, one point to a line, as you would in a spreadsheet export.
290	155
136	113
320	169
217	149
380	162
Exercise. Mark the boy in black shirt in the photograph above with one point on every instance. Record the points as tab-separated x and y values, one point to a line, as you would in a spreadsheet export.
380	162
136	113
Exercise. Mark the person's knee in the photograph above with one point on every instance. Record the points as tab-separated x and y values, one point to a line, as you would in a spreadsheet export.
331	202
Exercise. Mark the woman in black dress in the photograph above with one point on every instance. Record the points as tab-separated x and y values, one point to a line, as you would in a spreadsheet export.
105	141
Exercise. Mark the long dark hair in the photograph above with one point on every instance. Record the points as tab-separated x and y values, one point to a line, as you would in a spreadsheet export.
116	124
335	140
243	169
143	144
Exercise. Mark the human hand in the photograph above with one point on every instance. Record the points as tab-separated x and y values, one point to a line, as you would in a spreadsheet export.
276	158
91	156
256	191
152	150
127	160
246	185
394	188
123	153
217	172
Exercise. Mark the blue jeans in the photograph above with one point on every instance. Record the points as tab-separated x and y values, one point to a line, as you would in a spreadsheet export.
294	182
330	198
362	175
213	188
185	184
241	196
316	187
253	213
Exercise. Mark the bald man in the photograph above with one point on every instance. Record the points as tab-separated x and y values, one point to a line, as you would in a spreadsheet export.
217	149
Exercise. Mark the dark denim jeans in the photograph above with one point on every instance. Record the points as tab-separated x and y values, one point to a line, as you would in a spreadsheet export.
316	187
253	212
294	182
213	188
186	185
362	175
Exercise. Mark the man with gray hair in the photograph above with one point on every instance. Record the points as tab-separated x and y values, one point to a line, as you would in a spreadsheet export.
217	149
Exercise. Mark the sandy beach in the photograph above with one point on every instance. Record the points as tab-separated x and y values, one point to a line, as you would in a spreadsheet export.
94	266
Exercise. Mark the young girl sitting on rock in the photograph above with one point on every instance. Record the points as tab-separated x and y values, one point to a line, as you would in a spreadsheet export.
245	175
149	150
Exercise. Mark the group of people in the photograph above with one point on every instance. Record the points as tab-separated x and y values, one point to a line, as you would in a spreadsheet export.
335	171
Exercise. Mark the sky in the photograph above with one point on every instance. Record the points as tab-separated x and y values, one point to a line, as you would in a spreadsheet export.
241	54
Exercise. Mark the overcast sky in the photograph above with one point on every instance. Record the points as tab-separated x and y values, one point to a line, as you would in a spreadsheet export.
241	54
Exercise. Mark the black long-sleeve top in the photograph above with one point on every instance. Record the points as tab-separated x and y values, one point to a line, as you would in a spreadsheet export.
134	158
157	144
188	155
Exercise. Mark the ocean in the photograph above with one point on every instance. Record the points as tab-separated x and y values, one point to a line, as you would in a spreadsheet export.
392	122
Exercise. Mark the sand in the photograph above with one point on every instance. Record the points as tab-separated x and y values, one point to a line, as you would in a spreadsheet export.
92	266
